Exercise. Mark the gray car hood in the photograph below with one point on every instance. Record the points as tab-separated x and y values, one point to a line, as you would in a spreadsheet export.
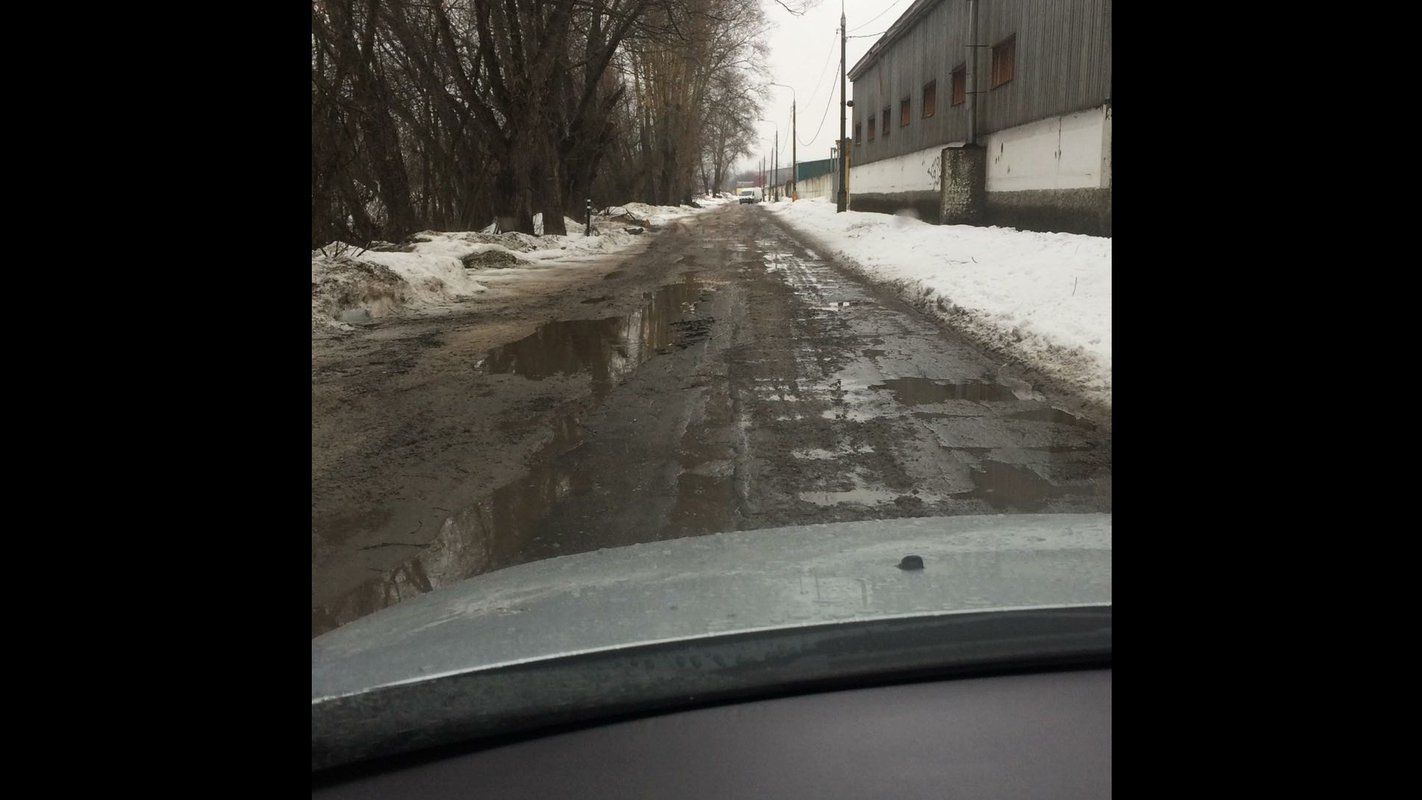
721	584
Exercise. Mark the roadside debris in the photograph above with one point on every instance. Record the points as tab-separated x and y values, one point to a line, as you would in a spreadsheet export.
490	259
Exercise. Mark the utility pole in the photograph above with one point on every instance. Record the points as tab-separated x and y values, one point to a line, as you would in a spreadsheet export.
775	168
842	202
794	134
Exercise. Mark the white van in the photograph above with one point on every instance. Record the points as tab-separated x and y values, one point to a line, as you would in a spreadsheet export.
750	194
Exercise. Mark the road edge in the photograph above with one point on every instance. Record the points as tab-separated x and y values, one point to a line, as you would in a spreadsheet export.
1074	377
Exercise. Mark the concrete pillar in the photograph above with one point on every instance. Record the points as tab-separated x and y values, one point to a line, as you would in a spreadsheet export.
963	181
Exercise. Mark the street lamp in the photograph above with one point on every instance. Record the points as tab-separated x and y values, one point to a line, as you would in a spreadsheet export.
794	160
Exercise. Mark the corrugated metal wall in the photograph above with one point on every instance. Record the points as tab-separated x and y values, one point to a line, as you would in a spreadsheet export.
1062	64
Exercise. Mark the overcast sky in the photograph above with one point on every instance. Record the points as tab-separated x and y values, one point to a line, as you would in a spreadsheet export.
804	53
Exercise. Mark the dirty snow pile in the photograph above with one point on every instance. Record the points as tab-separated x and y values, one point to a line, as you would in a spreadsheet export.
432	269
659	215
349	284
1045	297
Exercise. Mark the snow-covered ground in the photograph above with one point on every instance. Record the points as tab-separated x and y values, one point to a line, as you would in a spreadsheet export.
1045	297
351	285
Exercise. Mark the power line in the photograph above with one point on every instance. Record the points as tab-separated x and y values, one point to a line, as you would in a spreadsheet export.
876	16
828	56
828	101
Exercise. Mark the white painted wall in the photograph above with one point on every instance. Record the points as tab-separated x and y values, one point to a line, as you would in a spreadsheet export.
819	186
912	172
1067	152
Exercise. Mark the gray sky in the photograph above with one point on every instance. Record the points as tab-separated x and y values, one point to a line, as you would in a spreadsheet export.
804	53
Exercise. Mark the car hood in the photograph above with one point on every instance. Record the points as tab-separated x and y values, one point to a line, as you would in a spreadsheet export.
721	584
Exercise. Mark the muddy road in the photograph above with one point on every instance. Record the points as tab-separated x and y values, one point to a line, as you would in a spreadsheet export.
726	377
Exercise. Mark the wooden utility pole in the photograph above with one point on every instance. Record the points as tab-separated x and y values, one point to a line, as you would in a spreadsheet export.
794	135
842	202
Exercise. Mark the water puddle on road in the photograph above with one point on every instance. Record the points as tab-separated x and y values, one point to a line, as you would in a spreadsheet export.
608	349
1054	415
923	391
1011	487
476	539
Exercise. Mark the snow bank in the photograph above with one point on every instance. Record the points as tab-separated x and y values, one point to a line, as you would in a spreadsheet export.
654	215
345	289
611	231
435	268
1045	297
351	285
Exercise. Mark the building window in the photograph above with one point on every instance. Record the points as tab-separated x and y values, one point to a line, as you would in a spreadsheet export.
960	84
1004	57
884	122
872	126
905	112
930	98
857	131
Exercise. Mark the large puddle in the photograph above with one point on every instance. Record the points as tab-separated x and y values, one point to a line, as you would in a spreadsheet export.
608	349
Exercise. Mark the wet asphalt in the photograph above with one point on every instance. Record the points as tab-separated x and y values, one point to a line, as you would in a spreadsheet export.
759	386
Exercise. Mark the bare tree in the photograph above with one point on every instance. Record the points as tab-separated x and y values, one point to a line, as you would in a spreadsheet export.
447	113
680	66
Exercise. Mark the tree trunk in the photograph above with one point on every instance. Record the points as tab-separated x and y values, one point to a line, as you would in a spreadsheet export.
551	194
513	196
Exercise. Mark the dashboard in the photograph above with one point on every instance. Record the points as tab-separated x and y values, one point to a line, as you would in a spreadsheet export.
1025	735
